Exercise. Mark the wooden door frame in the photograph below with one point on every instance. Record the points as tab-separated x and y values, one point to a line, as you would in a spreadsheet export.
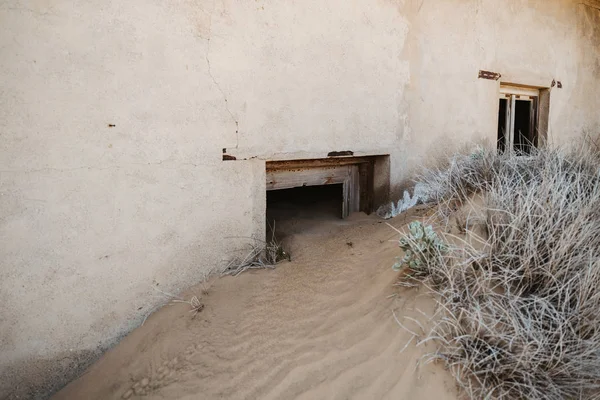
356	174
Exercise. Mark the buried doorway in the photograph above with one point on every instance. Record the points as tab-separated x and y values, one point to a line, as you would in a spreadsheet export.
312	210
323	202
303	195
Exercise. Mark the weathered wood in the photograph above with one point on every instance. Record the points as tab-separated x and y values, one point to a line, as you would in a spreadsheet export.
346	175
511	128
489	75
345	198
354	189
519	90
287	179
365	182
316	163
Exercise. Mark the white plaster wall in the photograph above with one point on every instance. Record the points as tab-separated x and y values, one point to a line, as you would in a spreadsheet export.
311	78
527	42
92	217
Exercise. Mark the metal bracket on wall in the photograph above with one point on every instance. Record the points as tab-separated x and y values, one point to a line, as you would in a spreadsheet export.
489	75
340	153
227	157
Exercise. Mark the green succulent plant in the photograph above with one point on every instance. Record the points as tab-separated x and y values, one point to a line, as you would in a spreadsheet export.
478	153
421	246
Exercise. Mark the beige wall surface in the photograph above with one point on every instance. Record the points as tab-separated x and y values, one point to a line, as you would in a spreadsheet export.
114	116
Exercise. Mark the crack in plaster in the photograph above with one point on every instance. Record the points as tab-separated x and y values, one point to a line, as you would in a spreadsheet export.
208	36
29	10
97	168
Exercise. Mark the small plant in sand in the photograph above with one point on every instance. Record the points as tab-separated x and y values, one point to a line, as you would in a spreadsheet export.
422	247
261	255
195	304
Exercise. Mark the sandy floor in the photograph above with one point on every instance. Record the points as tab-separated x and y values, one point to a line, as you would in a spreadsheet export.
318	327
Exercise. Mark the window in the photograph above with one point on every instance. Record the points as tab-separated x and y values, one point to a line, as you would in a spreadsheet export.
518	117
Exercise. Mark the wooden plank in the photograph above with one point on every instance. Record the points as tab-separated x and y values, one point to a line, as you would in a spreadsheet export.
366	179
356	173
543	114
355	189
315	163
511	125
345	198
507	125
519	90
533	118
286	179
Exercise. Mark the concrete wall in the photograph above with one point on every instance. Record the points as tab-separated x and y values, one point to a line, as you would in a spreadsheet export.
93	216
527	42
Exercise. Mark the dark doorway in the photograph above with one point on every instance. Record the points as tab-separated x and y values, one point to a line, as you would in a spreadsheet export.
306	202
523	126
302	209
314	196
502	125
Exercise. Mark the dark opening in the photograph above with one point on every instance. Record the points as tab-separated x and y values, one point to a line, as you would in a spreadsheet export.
312	202
502	125
523	136
296	209
524	117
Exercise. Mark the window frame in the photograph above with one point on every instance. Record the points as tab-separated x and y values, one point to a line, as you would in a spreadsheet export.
512	93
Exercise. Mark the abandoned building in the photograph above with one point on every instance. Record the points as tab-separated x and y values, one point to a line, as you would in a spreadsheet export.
142	139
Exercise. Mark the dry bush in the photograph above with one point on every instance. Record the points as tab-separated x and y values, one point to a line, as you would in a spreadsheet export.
591	141
520	316
261	255
461	177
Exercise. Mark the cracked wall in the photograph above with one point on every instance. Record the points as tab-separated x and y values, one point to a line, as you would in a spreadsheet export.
113	118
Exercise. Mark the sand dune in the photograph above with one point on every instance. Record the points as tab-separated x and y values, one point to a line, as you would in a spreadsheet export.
319	327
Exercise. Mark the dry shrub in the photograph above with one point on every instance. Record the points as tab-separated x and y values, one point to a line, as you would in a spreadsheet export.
462	176
520	316
261	254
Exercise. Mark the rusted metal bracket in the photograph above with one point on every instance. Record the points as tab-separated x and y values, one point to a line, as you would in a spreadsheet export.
340	153
489	75
227	157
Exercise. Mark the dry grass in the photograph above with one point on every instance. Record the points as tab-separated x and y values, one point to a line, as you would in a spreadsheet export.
195	304
519	316
261	255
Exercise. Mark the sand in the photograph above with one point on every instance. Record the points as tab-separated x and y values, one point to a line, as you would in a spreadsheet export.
318	327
